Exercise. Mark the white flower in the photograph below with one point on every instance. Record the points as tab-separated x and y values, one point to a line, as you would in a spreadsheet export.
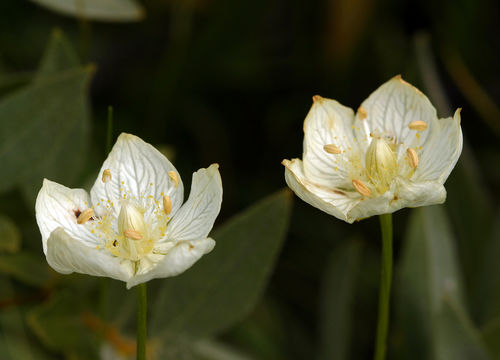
393	153
133	227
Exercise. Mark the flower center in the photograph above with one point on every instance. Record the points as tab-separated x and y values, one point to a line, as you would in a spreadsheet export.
381	164
134	241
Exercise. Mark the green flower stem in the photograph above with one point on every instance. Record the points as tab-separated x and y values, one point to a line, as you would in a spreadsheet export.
109	137
141	320
385	287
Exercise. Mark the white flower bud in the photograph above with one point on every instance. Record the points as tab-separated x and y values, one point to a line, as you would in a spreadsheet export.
131	221
381	164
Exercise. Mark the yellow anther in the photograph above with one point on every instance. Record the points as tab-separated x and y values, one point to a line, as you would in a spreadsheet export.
132	234
361	187
167	204
174	177
418	125
362	113
332	149
85	216
106	176
412	157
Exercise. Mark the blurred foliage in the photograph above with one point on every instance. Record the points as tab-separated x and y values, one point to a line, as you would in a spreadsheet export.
231	82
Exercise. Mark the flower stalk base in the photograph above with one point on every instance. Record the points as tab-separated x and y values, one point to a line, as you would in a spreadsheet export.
141	320
385	287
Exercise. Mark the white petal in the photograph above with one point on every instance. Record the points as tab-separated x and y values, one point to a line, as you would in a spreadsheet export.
177	260
393	106
328	122
372	206
441	151
137	170
415	194
332	201
58	206
67	255
403	193
196	217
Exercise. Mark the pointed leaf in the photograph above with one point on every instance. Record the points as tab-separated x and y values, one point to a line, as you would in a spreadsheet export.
225	284
46	127
59	56
432	303
44	131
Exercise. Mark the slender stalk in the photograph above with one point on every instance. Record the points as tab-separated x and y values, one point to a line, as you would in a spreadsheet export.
109	137
385	287
141	320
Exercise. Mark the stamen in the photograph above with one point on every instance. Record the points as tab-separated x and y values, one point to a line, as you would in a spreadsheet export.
106	176
132	234
361	187
85	216
362	113
332	149
174	177
412	157
167	204
418	125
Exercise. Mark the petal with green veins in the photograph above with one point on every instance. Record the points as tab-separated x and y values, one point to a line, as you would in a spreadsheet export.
59	206
196	217
137	170
66	255
328	122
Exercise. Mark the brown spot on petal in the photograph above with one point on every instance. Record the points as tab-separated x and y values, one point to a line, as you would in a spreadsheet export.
317	98
362	113
106	176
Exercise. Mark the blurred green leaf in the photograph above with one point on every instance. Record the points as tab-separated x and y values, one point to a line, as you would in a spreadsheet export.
468	200
456	336
489	279
103	10
336	301
225	284
10	237
46	127
214	350
432	304
44	132
59	55
59	326
491	336
29	268
14	342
